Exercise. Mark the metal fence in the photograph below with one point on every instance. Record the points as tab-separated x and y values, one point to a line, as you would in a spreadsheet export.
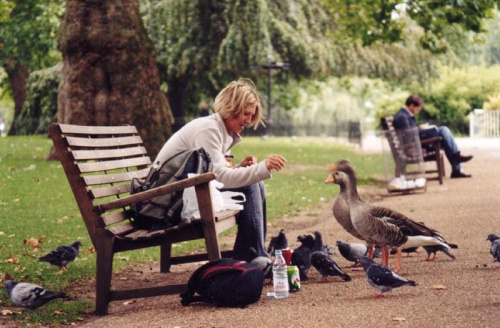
485	123
350	130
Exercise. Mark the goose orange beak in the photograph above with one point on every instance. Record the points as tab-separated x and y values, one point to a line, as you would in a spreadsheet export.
330	179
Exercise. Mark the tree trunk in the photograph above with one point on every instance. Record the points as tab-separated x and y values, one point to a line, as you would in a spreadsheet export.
110	76
177	96
18	75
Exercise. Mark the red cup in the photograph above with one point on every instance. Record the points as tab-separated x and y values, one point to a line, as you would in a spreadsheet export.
287	255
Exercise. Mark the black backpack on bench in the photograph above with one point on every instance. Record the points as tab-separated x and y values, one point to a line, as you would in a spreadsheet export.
225	282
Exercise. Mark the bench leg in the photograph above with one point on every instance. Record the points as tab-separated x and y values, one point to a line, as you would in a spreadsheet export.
165	256
103	276
440	167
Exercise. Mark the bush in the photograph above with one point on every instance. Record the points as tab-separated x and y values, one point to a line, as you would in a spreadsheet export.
456	93
41	106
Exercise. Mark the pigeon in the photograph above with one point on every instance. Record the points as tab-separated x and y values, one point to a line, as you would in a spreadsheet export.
352	252
383	278
432	250
29	295
263	262
495	247
301	256
278	242
62	255
326	266
320	246
408	251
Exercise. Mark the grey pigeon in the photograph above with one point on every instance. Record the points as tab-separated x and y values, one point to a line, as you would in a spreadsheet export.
29	295
383	278
320	246
322	262
301	257
278	242
352	252
263	262
62	255
495	247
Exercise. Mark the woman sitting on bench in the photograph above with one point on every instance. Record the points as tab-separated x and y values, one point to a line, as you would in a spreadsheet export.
237	106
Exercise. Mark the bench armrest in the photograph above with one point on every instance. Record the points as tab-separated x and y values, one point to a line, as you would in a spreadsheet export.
149	194
431	140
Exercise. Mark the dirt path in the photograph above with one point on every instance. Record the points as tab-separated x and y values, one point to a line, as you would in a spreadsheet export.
464	210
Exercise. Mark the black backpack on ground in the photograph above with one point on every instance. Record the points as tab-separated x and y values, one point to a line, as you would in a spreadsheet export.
225	282
164	211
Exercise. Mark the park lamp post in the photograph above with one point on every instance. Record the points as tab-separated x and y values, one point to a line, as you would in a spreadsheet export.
270	65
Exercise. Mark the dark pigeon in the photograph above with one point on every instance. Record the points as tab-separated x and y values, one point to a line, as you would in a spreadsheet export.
352	252
278	242
62	255
495	247
383	278
408	251
322	262
320	246
29	295
263	262
301	257
432	250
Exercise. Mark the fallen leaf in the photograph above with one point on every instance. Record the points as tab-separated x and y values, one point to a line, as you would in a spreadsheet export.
33	242
17	200
11	236
91	250
2	233
59	221
12	260
57	312
30	168
7	312
398	319
439	287
129	302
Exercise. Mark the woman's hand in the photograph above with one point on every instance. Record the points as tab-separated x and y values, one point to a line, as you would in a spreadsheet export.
249	160
275	162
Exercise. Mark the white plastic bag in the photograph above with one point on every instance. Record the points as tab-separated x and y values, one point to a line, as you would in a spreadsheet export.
190	203
230	203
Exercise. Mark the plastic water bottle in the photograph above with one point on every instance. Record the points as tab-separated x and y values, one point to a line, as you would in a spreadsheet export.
280	276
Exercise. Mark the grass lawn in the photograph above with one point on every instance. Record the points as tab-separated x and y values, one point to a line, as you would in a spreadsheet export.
38	211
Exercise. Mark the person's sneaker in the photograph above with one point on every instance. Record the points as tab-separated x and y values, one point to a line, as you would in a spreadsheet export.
459	174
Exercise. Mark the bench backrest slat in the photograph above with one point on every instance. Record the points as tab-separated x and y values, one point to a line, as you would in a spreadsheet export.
108	153
115	177
99	130
110	191
96	143
114	164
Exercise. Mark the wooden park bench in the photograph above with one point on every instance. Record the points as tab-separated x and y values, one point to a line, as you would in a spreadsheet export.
431	152
100	162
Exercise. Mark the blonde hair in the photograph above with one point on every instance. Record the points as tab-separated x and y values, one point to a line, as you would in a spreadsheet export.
237	96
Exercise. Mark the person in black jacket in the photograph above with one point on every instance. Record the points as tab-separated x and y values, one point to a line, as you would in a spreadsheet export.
405	119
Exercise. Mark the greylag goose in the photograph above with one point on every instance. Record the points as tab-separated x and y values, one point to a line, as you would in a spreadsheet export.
341	210
385	227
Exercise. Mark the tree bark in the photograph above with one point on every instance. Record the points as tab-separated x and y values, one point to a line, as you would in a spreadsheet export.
177	93
110	75
18	76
